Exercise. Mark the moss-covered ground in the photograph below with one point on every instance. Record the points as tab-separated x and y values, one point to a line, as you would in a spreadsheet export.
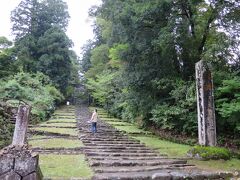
228	165
165	147
64	166
60	124
169	148
62	120
72	132
55	143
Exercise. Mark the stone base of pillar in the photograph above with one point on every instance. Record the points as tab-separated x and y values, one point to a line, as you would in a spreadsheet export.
19	163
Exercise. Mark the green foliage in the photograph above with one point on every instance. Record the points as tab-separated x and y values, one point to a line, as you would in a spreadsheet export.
34	89
4	43
8	64
6	130
101	86
207	153
179	113
141	66
228	104
55	60
41	42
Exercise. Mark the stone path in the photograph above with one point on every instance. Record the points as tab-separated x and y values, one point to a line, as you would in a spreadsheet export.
64	124
114	155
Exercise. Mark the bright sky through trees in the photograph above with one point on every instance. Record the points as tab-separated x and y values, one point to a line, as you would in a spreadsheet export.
79	29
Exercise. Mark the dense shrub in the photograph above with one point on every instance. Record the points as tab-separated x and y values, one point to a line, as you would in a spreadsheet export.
228	106
34	89
207	153
6	131
178	113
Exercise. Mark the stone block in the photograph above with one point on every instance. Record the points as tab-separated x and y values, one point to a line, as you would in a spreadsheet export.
10	176
26	165
32	176
6	164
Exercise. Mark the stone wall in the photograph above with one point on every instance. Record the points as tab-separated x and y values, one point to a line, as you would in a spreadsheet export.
19	163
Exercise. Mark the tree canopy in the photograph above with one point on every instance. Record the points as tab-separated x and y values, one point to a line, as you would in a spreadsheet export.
141	65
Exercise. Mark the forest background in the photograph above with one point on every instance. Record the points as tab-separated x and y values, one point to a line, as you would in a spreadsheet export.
141	64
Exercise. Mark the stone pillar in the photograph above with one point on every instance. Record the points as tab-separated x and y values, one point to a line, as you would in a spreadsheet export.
21	125
205	105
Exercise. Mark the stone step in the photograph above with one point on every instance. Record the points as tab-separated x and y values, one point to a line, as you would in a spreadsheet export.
124	169
108	139
119	163
171	174
116	148
121	141
100	133
117	135
123	154
111	142
66	122
119	150
113	145
87	137
98	158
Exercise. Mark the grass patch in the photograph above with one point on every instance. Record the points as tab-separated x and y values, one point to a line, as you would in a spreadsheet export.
62	120
120	123
64	166
56	143
34	137
229	165
130	129
59	124
109	119
165	147
72	132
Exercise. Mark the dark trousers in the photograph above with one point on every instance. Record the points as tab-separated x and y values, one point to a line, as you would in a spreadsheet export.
94	127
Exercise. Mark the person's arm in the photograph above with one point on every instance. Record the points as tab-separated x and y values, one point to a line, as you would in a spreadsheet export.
92	117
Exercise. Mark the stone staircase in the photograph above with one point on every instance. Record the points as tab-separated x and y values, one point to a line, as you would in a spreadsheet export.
112	154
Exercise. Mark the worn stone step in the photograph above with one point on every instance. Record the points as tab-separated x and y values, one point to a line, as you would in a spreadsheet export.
120	150
111	142
118	163
108	139
62	117
100	133
171	174
115	136
124	169
98	158
121	141
116	148
123	154
90	144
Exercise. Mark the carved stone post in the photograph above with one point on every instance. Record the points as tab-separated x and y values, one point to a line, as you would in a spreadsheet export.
21	125
205	105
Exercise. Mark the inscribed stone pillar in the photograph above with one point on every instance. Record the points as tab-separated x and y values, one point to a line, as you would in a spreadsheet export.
205	105
21	125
